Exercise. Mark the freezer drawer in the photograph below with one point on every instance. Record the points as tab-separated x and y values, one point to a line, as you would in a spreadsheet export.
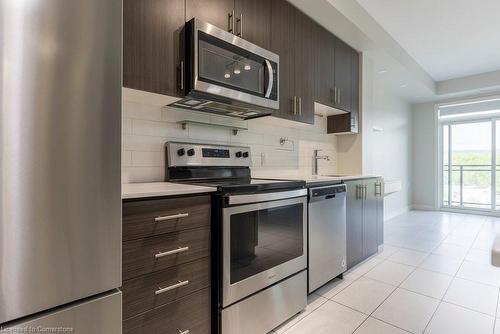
100	315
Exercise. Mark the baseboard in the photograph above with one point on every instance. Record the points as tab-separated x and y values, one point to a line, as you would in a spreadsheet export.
421	207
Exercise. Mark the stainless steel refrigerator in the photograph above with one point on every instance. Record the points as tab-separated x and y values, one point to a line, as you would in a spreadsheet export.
60	206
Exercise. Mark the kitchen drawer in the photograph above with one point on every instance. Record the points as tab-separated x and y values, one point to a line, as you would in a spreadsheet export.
191	314
154	217
144	256
141	294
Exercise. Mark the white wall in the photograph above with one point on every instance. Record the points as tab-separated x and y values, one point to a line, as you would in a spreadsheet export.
387	141
147	126
425	180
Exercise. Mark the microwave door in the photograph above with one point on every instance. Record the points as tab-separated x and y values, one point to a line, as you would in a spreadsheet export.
227	66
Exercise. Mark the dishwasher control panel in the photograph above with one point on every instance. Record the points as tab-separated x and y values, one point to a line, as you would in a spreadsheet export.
328	190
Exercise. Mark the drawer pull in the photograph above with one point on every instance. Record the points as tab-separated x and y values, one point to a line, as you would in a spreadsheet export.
172	252
172	287
177	216
183	332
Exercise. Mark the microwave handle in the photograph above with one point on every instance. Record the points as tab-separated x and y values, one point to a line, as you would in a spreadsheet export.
270	80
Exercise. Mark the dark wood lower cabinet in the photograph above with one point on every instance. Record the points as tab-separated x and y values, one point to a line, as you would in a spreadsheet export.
365	218
191	314
166	266
144	293
144	256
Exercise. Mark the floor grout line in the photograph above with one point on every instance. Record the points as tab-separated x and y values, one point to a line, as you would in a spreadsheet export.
414	268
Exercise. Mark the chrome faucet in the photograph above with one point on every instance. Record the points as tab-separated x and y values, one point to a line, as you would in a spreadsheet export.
315	159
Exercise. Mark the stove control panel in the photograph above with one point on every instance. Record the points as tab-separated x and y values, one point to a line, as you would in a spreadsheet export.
189	154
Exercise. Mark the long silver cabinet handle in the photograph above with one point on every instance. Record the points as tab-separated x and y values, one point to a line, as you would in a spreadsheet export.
240	21
172	287
183	331
365	191
182	75
230	22
171	217
300	106
172	252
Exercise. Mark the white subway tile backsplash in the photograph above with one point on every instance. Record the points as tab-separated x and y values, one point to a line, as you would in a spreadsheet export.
142	111
126	126
144	143
247	138
142	174
148	159
208	134
126	158
158	129
148	125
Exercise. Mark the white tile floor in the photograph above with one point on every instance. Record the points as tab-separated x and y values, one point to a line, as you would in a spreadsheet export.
433	276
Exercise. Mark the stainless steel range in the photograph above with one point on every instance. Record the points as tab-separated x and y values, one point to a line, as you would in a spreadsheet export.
259	237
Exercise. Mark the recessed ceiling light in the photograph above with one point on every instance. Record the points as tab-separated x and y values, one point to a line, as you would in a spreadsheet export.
404	85
382	71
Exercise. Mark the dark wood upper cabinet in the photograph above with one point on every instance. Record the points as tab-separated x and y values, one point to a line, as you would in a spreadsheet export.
294	40
151	44
253	21
325	80
347	123
306	48
249	19
216	12
343	74
282	43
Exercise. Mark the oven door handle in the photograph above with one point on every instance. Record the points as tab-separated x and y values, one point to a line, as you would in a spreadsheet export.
265	197
270	78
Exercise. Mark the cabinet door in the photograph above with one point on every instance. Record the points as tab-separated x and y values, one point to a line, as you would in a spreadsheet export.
355	80
282	43
306	32
325	70
253	21
215	12
354	224
380	212
370	227
151	44
343	73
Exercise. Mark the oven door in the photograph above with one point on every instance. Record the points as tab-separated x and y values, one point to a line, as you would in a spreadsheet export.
228	66
263	242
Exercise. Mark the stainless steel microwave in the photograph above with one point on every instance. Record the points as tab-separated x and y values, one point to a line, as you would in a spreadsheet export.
224	74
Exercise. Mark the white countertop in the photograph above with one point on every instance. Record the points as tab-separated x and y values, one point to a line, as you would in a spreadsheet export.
311	179
157	189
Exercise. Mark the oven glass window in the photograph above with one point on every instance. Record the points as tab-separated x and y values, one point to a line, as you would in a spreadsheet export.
225	65
263	239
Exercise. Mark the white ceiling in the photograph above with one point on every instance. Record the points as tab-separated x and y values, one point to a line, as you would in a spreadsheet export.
448	38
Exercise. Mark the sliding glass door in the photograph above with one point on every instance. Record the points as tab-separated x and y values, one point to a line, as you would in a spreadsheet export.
469	155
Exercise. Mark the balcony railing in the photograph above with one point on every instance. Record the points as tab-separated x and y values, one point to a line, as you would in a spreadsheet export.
469	186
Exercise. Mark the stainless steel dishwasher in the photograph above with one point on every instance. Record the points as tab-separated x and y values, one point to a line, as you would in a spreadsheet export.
327	234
